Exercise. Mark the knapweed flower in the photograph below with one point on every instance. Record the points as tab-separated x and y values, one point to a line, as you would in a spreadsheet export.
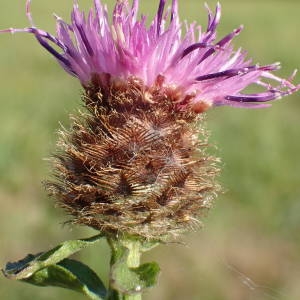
134	163
205	72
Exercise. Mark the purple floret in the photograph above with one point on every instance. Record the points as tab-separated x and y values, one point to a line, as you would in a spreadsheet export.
186	57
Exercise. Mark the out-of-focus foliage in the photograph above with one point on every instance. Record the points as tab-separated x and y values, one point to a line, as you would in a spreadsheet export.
250	246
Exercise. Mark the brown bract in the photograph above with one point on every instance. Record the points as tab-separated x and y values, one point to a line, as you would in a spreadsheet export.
134	163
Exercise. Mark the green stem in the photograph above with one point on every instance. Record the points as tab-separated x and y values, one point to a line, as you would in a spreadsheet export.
133	261
126	254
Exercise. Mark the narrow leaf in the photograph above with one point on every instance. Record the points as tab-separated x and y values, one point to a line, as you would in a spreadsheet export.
70	274
26	267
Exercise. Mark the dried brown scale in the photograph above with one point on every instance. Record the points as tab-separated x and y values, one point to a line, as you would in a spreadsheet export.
133	164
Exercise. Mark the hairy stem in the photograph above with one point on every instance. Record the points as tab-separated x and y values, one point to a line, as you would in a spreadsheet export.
125	254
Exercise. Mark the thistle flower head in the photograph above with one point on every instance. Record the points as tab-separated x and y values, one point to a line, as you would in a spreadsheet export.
134	165
207	72
136	161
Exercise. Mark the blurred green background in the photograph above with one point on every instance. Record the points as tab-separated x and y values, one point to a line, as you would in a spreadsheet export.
250	246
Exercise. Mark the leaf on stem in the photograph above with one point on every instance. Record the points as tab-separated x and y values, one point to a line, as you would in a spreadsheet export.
70	274
52	268
133	280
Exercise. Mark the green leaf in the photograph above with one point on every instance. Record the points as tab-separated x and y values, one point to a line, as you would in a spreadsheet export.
32	263
70	274
148	274
52	268
133	280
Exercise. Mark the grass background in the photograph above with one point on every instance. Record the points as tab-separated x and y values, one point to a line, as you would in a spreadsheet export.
250	246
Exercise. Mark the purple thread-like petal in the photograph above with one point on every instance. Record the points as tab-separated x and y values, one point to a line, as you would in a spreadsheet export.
221	43
125	47
194	47
160	12
236	72
254	97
